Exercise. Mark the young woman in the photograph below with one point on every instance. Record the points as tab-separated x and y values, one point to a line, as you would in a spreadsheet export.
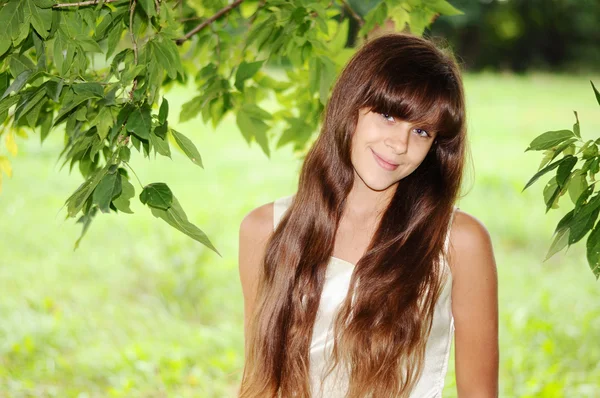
355	285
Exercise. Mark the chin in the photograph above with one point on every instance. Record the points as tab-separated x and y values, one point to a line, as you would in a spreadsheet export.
377	184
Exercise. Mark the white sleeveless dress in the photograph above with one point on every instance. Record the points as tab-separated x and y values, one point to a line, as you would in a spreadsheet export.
437	351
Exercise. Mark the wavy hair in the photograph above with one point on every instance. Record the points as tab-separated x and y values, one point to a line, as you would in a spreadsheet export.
383	324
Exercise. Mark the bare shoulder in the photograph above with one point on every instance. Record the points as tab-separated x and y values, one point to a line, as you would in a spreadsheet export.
258	221
470	244
255	229
474	307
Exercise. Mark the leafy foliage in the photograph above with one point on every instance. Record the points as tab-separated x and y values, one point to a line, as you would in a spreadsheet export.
97	68
582	218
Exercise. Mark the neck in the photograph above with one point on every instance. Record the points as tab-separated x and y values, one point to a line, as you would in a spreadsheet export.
364	204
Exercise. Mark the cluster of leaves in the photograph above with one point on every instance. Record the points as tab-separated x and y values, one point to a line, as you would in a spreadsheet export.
581	219
97	67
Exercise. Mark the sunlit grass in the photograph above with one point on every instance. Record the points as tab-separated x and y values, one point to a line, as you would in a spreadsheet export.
141	310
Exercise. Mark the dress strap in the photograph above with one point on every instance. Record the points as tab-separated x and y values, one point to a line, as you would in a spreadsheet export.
280	205
447	241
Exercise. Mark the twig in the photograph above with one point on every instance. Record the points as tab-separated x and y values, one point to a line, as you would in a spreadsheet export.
218	45
358	18
207	22
132	4
83	3
157	4
133	171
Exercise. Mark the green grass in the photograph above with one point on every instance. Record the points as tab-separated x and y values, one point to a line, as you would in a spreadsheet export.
141	310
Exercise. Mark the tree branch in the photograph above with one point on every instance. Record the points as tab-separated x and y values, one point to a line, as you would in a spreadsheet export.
132	4
358	18
83	3
207	22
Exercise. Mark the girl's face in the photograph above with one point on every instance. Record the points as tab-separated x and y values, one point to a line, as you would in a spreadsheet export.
385	150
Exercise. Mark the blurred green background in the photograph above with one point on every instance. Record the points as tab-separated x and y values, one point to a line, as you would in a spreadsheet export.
141	310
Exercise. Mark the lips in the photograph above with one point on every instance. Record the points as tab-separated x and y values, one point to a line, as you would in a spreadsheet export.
383	163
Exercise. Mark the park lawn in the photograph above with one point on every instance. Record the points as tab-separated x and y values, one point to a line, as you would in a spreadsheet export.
141	310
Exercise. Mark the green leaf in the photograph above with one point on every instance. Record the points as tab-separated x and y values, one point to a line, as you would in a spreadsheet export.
76	201
577	185
564	169
29	103
590	152
86	220
124	154
326	79
11	17
548	155
245	71
161	130
7	102
551	193
108	189
420	18
69	106
596	93
114	36
549	139
443	7
44	3
157	195
140	122
543	171
41	18
561	239
159	144
400	17
176	217
148	7
89	90
593	250
18	63
250	122
565	221
188	147
163	112
121	202
88	44
576	130
17	84
583	219
582	225
165	52
103	122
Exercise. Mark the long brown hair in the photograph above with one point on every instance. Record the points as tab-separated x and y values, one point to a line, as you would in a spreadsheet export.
383	324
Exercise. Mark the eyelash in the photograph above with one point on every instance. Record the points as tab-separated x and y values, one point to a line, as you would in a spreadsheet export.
426	136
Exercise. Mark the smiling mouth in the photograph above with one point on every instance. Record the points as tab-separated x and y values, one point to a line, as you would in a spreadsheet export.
385	165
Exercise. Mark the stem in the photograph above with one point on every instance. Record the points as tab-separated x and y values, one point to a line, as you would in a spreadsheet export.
132	5
83	3
207	22
358	18
133	171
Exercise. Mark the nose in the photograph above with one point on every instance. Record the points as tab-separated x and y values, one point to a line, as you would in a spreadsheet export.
398	141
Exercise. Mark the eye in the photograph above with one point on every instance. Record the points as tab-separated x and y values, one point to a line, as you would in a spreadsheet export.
421	131
386	116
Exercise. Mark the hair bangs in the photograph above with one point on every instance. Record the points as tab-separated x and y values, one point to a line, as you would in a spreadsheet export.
428	102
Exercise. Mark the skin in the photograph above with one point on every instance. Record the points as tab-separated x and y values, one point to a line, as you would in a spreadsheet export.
471	257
